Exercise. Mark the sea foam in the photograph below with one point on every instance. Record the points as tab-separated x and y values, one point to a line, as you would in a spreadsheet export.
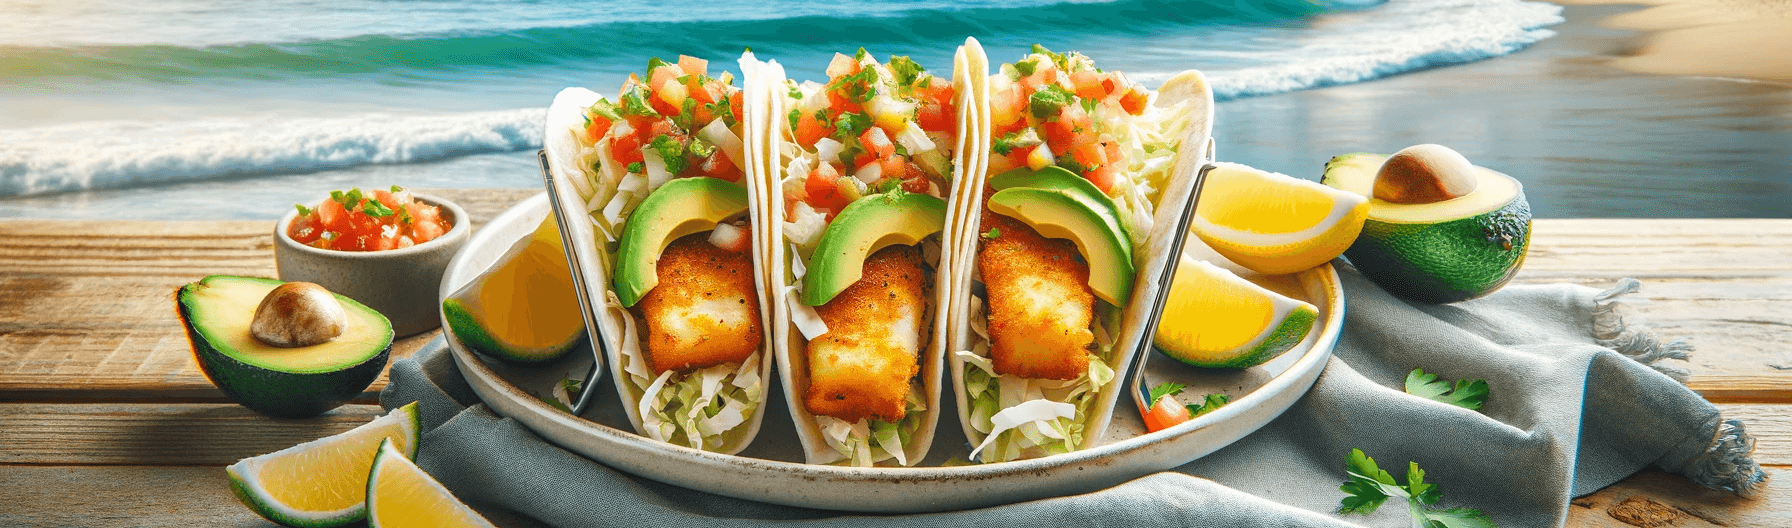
99	155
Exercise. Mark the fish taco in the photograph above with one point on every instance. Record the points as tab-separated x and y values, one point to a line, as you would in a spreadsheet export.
1081	172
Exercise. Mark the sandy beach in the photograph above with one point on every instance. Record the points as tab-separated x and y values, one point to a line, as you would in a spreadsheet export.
1749	39
1567	116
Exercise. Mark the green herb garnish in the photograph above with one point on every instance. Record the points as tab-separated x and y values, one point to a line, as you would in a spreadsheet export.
1048	100
1170	388
1370	486
303	211
1027	67
636	167
634	103
906	70
671	151
851	124
1208	404
375	209
996	232
1467	394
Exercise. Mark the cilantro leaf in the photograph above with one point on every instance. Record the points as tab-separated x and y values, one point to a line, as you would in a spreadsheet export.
701	148
1467	394
1013	140
906	70
634	103
636	167
654	63
795	116
1369	487
1027	67
605	109
671	151
851	124
1213	401
375	209
796	92
303	211
397	189
1168	388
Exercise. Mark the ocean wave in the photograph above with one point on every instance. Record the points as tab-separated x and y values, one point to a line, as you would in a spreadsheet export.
102	155
1396	38
629	40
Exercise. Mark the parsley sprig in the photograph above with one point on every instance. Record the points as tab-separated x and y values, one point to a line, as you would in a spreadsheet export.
1171	388
1369	487
1467	394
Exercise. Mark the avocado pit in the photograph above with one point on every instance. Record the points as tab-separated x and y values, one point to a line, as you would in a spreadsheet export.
1427	173
298	314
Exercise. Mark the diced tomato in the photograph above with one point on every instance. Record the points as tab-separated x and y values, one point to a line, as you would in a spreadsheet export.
332	216
734	102
839	104
1115	156
599	126
1014	159
1164	414
386	198
935	118
1088	84
1059	135
663	107
1041	76
1000	131
717	165
662	75
898	168
876	141
810	130
626	149
305	228
664	126
1133	101
1089	155
693	66
1104	177
939	92
822	194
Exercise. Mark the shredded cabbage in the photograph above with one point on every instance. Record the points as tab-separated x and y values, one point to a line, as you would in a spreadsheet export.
692	409
867	442
1038	429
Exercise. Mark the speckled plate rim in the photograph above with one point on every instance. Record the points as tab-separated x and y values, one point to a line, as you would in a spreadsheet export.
887	490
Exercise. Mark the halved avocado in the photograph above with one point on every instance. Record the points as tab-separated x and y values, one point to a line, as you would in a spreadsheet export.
282	382
1439	252
679	207
1058	178
1066	214
862	228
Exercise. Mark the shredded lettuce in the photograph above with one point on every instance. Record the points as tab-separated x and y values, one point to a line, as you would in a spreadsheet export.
868	442
1037	433
692	409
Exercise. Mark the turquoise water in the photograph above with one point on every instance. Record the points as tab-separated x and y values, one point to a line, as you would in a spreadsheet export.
208	109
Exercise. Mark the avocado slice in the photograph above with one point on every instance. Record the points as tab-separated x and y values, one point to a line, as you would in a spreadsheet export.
1439	252
283	382
679	207
863	227
1058	178
1068	215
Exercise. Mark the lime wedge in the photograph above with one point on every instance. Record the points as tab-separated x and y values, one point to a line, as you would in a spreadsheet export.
400	494
322	482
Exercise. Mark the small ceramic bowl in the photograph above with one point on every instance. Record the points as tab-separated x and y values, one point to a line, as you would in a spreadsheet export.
400	283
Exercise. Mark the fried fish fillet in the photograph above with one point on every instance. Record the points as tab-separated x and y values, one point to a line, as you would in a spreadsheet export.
862	366
1040	303
704	311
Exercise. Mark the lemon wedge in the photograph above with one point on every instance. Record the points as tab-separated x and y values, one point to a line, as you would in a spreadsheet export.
400	494
322	482
1214	318
1274	223
523	308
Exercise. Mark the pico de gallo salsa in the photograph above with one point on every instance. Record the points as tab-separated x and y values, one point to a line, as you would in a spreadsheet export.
873	127
357	221
1059	109
679	123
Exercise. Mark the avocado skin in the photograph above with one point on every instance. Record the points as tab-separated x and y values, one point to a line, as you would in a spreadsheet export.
1445	262
274	393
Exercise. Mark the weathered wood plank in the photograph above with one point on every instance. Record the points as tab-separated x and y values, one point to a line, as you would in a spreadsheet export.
118	496
107	496
86	306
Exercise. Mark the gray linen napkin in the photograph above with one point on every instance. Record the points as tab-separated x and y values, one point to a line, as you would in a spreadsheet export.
1576	403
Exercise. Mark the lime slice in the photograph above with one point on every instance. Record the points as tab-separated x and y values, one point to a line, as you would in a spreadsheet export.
400	494
1215	318
523	308
1274	223
322	482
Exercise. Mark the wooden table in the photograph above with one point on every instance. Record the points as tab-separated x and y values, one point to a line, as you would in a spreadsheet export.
105	419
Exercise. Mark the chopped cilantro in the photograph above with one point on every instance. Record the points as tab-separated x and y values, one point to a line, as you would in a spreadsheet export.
375	209
796	92
724	111
634	103
701	148
1057	58
795	115
671	151
1467	394
1049	100
397	189
1169	388
860	56
851	124
1211	402
1008	142
636	167
303	211
994	233
1370	486
687	113
603	108
1027	67
860	87
653	63
906	70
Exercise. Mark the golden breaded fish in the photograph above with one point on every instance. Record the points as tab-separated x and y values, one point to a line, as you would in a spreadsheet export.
704	312
862	366
1040	303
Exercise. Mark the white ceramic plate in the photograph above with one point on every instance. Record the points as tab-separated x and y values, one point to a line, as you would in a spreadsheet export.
771	469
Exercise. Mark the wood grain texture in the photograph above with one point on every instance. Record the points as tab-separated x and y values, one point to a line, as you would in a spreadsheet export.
138	496
86	309
108	496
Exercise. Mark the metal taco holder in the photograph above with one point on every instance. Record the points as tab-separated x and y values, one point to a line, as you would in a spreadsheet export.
594	333
1140	394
